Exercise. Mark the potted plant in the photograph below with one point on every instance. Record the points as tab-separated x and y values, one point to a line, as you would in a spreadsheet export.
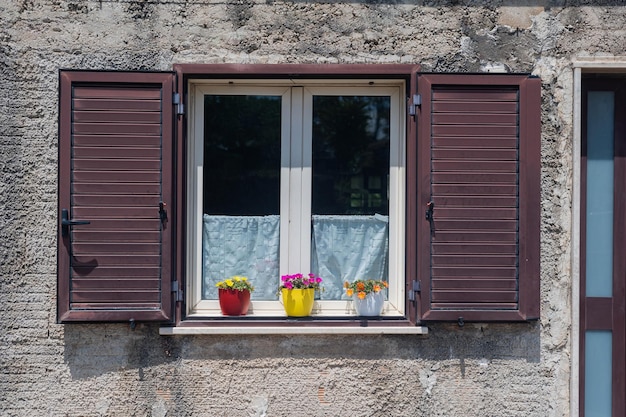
234	295
368	296
298	293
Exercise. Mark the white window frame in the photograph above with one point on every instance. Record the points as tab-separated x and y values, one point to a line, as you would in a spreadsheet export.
297	99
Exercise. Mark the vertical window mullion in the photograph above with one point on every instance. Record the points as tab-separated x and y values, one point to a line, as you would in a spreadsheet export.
299	195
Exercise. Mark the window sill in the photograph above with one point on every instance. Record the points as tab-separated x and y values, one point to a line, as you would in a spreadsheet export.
293	326
291	330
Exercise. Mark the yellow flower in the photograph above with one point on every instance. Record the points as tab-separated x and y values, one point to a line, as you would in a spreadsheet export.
361	295
219	284
349	292
244	278
229	282
238	279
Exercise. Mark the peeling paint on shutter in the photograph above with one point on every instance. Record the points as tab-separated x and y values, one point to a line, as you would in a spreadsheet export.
474	143
115	169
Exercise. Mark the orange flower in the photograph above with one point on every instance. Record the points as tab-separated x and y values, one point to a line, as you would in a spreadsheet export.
361	295
346	284
360	286
349	292
376	288
385	284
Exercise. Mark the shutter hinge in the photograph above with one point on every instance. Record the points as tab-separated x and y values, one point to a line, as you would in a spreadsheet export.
180	107
415	287
178	292
417	102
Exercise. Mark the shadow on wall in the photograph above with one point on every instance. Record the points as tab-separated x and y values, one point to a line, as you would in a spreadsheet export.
97	349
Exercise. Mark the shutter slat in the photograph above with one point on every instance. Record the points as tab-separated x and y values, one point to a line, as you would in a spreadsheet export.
476	166
103	248
107	236
475	213
468	119
495	107
117	200
116	165
113	224
86	285
469	142
85	261
457	273
117	273
114	105
113	188
482	260
468	249
117	140
475	95
110	152
473	189
474	296
473	130
462	153
99	176
144	129
478	201
473	178
117	117
488	225
112	92
474	284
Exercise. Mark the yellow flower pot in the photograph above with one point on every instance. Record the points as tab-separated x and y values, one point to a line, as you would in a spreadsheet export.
298	302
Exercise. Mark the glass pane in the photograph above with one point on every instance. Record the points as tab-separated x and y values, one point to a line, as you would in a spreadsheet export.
350	155
350	189
599	242
598	373
241	191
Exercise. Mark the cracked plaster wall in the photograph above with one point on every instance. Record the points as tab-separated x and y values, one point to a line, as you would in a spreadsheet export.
107	369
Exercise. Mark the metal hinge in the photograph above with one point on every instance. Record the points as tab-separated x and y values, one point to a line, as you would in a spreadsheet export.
413	105
415	287
180	107
178	292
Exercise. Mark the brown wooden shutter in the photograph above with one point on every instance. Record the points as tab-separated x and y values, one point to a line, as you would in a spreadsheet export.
115	172
478	202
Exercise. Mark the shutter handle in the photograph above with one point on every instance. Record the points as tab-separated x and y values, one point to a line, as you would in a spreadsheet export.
429	211
66	222
162	211
430	206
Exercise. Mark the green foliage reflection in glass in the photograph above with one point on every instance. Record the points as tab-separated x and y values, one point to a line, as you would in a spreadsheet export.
351	155
242	154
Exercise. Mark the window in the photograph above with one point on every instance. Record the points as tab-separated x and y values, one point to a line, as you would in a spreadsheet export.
428	180
288	177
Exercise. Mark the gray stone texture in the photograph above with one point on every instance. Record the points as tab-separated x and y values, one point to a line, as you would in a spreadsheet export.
49	369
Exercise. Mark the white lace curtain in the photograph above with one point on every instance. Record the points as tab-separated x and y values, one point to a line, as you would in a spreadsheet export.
343	248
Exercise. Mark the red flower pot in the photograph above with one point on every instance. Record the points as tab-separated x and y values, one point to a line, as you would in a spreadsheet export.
234	302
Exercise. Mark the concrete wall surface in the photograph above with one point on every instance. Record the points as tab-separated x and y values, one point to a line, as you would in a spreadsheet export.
49	369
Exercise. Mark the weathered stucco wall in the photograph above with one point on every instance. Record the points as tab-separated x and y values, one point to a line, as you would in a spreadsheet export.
89	370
